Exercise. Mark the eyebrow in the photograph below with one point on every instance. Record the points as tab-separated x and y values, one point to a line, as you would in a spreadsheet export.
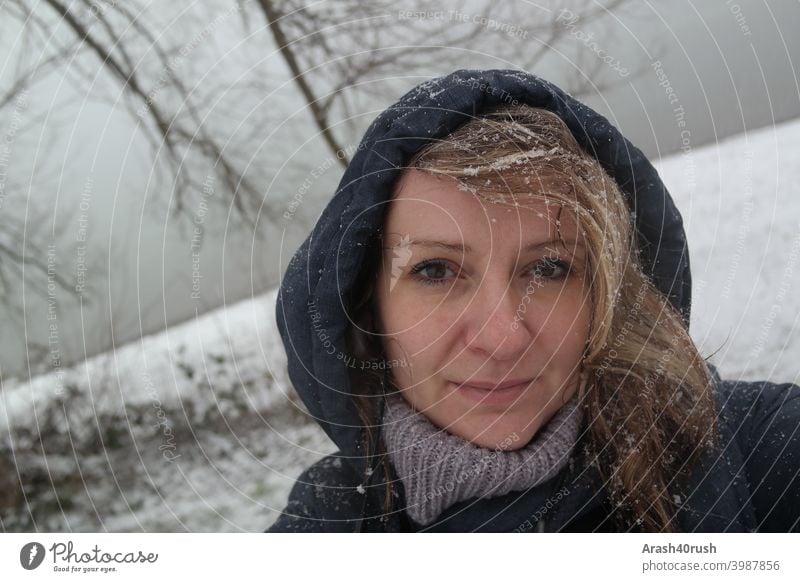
457	247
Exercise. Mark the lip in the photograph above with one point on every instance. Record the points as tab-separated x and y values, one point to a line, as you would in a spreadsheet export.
491	392
495	385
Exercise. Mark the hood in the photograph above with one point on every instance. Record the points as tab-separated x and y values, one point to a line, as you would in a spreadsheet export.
313	299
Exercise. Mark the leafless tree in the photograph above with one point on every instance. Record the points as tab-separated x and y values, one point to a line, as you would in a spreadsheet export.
120	42
341	52
346	59
118	54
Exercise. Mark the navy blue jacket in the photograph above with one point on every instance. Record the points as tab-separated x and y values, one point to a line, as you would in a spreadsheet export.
752	483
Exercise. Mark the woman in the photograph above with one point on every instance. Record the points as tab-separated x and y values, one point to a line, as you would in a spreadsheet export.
490	320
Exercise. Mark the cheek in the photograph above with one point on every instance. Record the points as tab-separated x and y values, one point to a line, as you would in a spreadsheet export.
568	328
414	322
419	339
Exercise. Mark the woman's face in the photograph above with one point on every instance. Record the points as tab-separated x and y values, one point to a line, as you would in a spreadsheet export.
474	296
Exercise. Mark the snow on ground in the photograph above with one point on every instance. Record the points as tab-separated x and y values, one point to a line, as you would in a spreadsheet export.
194	429
197	428
740	202
223	349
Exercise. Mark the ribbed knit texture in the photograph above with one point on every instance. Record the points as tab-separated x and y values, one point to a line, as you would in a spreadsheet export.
439	469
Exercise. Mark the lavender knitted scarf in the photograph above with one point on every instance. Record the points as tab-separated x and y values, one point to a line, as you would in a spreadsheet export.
439	469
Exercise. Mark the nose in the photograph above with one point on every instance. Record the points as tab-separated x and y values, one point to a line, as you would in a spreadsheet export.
498	321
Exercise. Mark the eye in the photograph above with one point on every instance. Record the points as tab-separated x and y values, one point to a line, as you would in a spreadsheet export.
548	268
431	272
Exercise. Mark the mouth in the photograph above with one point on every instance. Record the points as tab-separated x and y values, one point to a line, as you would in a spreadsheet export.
504	393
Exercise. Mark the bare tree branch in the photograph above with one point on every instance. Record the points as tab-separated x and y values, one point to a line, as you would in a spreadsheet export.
285	47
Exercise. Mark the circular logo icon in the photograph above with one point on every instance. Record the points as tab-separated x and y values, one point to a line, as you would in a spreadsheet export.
31	555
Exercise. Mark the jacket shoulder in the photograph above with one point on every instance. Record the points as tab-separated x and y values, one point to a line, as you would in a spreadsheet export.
325	498
765	420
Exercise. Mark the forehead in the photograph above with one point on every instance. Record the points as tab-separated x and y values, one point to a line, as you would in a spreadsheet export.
429	206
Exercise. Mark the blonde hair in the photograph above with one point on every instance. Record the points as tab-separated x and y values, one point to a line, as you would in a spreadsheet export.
647	393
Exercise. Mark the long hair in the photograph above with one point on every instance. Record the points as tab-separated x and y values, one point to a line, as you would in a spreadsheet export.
647	394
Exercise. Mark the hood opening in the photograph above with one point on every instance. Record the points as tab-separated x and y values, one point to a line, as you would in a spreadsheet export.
317	289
